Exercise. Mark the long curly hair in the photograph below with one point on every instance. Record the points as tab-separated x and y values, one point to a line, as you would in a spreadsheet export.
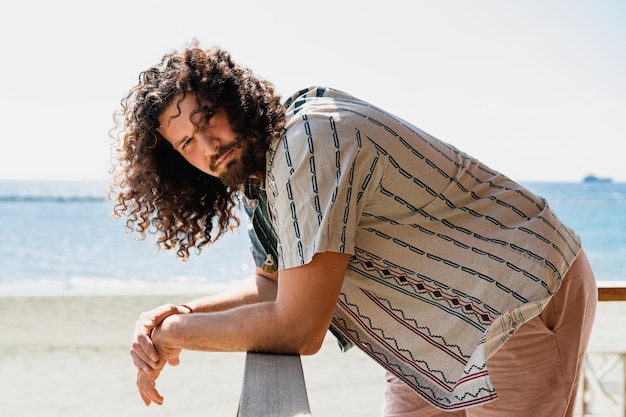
153	186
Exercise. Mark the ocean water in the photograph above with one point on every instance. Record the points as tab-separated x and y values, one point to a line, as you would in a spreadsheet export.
59	238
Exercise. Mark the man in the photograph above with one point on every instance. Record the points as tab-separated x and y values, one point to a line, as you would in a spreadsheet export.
461	283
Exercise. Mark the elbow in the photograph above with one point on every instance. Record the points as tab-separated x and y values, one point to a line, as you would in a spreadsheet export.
308	342
294	334
290	344
295	339
310	347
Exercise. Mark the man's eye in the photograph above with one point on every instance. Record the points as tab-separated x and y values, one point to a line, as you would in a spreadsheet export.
187	142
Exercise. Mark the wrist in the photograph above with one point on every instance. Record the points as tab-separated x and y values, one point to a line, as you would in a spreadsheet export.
186	307
163	331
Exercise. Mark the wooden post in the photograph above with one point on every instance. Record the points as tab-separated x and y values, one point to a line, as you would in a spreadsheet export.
273	386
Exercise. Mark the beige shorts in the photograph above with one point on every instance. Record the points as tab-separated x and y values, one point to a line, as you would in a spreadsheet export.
537	371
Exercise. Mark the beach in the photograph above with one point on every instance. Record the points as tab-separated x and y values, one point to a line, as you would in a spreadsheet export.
68	356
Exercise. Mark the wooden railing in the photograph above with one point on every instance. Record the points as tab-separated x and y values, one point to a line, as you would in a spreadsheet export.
274	385
614	293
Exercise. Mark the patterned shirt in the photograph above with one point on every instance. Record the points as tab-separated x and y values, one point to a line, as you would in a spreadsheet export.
449	257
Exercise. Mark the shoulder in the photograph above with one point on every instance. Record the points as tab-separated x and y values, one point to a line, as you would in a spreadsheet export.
316	107
301	97
317	99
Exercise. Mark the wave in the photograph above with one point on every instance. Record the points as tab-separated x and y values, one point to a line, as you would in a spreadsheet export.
111	286
51	199
52	191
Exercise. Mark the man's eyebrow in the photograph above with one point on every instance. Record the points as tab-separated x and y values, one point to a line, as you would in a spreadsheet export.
180	142
176	144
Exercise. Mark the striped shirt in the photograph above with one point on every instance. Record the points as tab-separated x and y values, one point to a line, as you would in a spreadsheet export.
449	257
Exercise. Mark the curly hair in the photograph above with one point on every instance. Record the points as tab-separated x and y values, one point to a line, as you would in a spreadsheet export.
153	186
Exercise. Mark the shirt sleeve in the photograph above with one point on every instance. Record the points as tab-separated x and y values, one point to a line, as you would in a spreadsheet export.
314	202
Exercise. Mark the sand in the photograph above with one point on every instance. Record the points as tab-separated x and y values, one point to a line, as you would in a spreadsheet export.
68	356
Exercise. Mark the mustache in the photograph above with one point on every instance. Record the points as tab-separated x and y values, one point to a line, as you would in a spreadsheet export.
224	150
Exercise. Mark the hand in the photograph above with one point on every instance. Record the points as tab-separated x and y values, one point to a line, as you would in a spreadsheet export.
142	351
146	381
146	384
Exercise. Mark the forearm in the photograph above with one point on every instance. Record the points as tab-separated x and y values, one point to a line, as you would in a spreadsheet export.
255	289
255	327
296	321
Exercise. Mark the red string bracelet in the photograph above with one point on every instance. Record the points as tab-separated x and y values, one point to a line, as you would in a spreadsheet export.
187	307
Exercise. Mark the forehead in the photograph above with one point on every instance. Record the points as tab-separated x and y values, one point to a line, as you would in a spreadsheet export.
178	113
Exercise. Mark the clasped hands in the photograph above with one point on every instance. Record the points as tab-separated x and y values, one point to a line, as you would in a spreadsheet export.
148	355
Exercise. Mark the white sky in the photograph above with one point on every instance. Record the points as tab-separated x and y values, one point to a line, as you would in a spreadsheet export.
534	88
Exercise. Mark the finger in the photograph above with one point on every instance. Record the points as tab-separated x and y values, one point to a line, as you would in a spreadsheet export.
157	315
143	345
140	382
141	363
145	399
154	395
147	389
174	358
144	352
148	320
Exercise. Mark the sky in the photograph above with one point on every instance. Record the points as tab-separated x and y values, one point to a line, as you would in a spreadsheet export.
534	88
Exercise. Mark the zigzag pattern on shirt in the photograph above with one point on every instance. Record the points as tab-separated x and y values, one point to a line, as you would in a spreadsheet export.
451	264
464	246
390	343
424	332
481	395
426	289
359	317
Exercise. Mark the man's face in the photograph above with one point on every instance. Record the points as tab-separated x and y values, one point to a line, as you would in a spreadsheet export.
213	148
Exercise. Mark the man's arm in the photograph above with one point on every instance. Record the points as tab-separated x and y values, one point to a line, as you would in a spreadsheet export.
261	287
295	322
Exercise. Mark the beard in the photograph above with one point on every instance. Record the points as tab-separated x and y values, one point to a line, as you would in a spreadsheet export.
250	164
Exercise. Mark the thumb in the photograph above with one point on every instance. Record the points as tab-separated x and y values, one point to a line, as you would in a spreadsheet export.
174	359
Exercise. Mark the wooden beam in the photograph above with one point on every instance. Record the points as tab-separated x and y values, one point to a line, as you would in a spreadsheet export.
611	294
611	290
273	386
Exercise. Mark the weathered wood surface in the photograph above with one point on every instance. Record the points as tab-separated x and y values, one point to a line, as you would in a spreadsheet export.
612	294
273	386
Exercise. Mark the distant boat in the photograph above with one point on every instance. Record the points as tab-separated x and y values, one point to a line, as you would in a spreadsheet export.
594	179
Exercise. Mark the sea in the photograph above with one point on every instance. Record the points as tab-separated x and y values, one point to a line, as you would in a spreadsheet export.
59	238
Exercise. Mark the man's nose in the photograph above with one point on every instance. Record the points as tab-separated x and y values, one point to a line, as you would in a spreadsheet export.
211	146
